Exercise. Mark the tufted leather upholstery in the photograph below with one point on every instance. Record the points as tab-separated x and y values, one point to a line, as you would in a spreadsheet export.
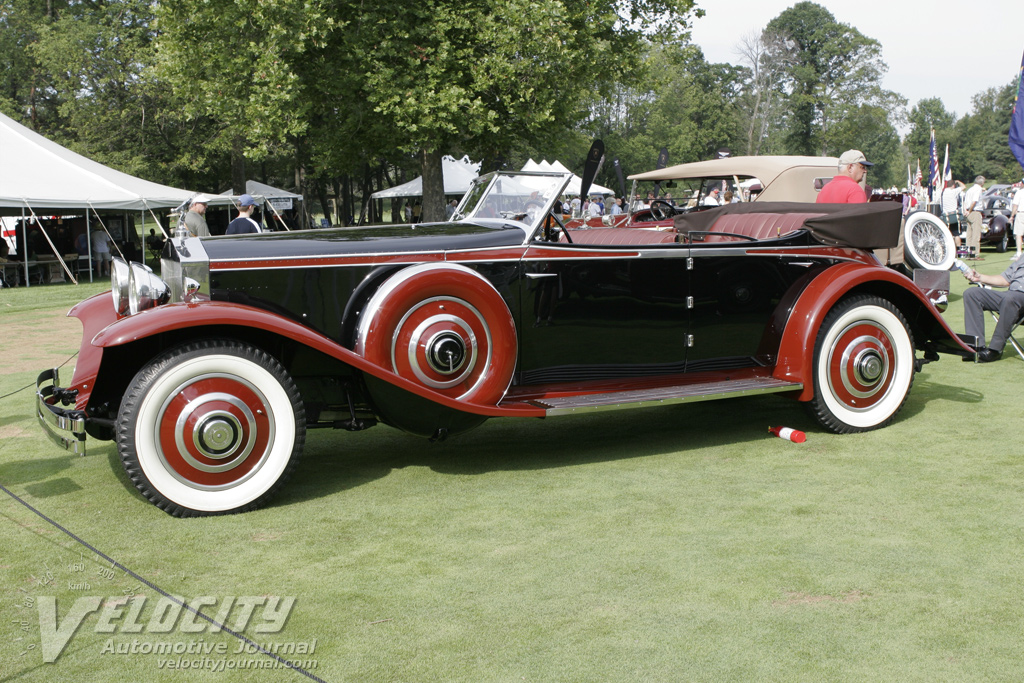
760	226
620	236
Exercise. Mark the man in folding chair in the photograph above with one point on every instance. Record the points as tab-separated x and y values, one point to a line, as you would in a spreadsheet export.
1009	304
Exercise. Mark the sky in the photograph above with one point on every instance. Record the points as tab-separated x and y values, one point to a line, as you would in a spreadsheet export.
937	48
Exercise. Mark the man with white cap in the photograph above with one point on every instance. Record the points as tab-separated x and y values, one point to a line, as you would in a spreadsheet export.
245	222
845	187
195	221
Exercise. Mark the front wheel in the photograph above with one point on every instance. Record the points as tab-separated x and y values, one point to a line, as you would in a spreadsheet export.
863	365
212	427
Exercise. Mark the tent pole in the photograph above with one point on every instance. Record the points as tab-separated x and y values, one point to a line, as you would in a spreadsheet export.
88	242
24	246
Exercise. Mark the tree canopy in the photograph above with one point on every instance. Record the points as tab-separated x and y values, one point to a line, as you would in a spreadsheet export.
339	98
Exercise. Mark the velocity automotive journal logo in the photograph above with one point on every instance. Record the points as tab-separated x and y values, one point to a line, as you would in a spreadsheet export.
137	624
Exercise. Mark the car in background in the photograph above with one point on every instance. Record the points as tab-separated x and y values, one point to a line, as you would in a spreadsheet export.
995	217
208	376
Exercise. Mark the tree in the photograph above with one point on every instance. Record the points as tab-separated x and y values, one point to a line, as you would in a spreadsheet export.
761	105
982	135
831	70
418	79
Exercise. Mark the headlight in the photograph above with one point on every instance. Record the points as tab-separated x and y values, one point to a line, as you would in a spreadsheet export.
145	289
120	274
135	287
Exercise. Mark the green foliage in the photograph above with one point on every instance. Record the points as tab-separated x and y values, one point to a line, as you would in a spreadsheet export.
833	70
982	147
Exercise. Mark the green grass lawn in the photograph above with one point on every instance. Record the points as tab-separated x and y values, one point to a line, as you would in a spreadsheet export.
667	544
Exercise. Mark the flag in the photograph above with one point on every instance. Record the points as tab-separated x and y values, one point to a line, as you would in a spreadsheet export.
1017	121
910	179
947	170
917	176
933	167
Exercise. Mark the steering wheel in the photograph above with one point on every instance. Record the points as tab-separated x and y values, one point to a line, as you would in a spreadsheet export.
662	210
552	224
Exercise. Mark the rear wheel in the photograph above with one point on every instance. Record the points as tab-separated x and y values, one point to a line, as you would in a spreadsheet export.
863	365
209	428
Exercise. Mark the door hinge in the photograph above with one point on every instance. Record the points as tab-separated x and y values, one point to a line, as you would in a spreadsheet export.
689	263
689	302
689	341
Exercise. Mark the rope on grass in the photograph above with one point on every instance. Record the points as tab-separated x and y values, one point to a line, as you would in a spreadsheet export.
161	591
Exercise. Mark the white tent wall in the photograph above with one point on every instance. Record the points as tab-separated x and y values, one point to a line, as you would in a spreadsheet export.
574	186
46	179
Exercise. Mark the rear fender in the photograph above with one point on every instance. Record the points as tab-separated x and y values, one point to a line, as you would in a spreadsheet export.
796	349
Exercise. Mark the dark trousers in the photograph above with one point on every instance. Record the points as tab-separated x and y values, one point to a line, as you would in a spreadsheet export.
977	300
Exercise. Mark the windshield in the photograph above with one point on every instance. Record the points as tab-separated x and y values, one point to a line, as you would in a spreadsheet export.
522	196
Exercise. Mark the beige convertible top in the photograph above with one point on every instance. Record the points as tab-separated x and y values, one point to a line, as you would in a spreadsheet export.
783	178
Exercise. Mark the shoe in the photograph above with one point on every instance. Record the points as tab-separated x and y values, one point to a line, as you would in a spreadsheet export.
989	355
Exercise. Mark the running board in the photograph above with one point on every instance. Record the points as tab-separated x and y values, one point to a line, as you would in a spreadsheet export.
687	393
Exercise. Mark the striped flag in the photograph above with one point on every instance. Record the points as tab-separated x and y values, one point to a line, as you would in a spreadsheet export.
917	176
933	167
947	170
1017	121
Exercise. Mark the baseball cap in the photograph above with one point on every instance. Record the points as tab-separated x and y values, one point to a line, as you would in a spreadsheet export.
246	200
854	156
200	199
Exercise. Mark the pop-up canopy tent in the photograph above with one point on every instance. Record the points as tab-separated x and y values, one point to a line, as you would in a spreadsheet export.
458	176
40	176
272	199
574	186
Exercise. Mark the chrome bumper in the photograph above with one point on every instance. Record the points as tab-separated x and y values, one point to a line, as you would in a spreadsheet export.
65	427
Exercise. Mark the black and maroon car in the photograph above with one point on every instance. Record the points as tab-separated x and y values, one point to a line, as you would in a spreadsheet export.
209	375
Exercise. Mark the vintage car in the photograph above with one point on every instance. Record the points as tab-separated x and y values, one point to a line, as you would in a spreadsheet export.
995	218
208	375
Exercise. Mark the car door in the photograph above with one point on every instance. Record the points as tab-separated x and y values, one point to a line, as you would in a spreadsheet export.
602	311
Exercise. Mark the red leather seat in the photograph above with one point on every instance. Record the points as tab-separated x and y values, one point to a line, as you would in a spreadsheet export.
623	236
759	226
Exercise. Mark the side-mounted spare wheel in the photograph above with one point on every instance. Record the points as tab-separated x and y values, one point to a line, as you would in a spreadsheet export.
863	365
211	427
444	327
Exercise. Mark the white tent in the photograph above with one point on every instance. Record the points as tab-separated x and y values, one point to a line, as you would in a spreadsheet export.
40	174
574	186
458	176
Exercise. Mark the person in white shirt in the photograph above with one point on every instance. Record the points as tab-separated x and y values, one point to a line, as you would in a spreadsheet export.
972	207
712	198
1017	216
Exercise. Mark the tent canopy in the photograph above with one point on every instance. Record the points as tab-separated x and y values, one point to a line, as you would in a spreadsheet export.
574	186
458	176
40	174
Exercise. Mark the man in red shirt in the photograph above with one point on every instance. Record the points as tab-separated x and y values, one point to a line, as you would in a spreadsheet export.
845	188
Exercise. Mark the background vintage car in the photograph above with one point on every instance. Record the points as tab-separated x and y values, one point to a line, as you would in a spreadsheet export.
209	375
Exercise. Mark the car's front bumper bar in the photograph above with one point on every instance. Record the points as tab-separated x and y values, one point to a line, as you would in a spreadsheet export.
64	426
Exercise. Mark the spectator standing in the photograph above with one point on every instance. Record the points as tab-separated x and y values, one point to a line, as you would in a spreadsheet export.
450	209
949	199
1017	216
101	252
594	208
616	208
845	187
244	223
711	199
972	207
575	204
195	219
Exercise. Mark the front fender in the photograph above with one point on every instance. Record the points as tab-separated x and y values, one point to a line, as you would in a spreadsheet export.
178	316
796	349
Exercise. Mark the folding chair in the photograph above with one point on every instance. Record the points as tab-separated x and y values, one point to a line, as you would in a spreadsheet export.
1010	339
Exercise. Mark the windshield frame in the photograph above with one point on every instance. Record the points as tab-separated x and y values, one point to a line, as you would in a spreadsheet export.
488	201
